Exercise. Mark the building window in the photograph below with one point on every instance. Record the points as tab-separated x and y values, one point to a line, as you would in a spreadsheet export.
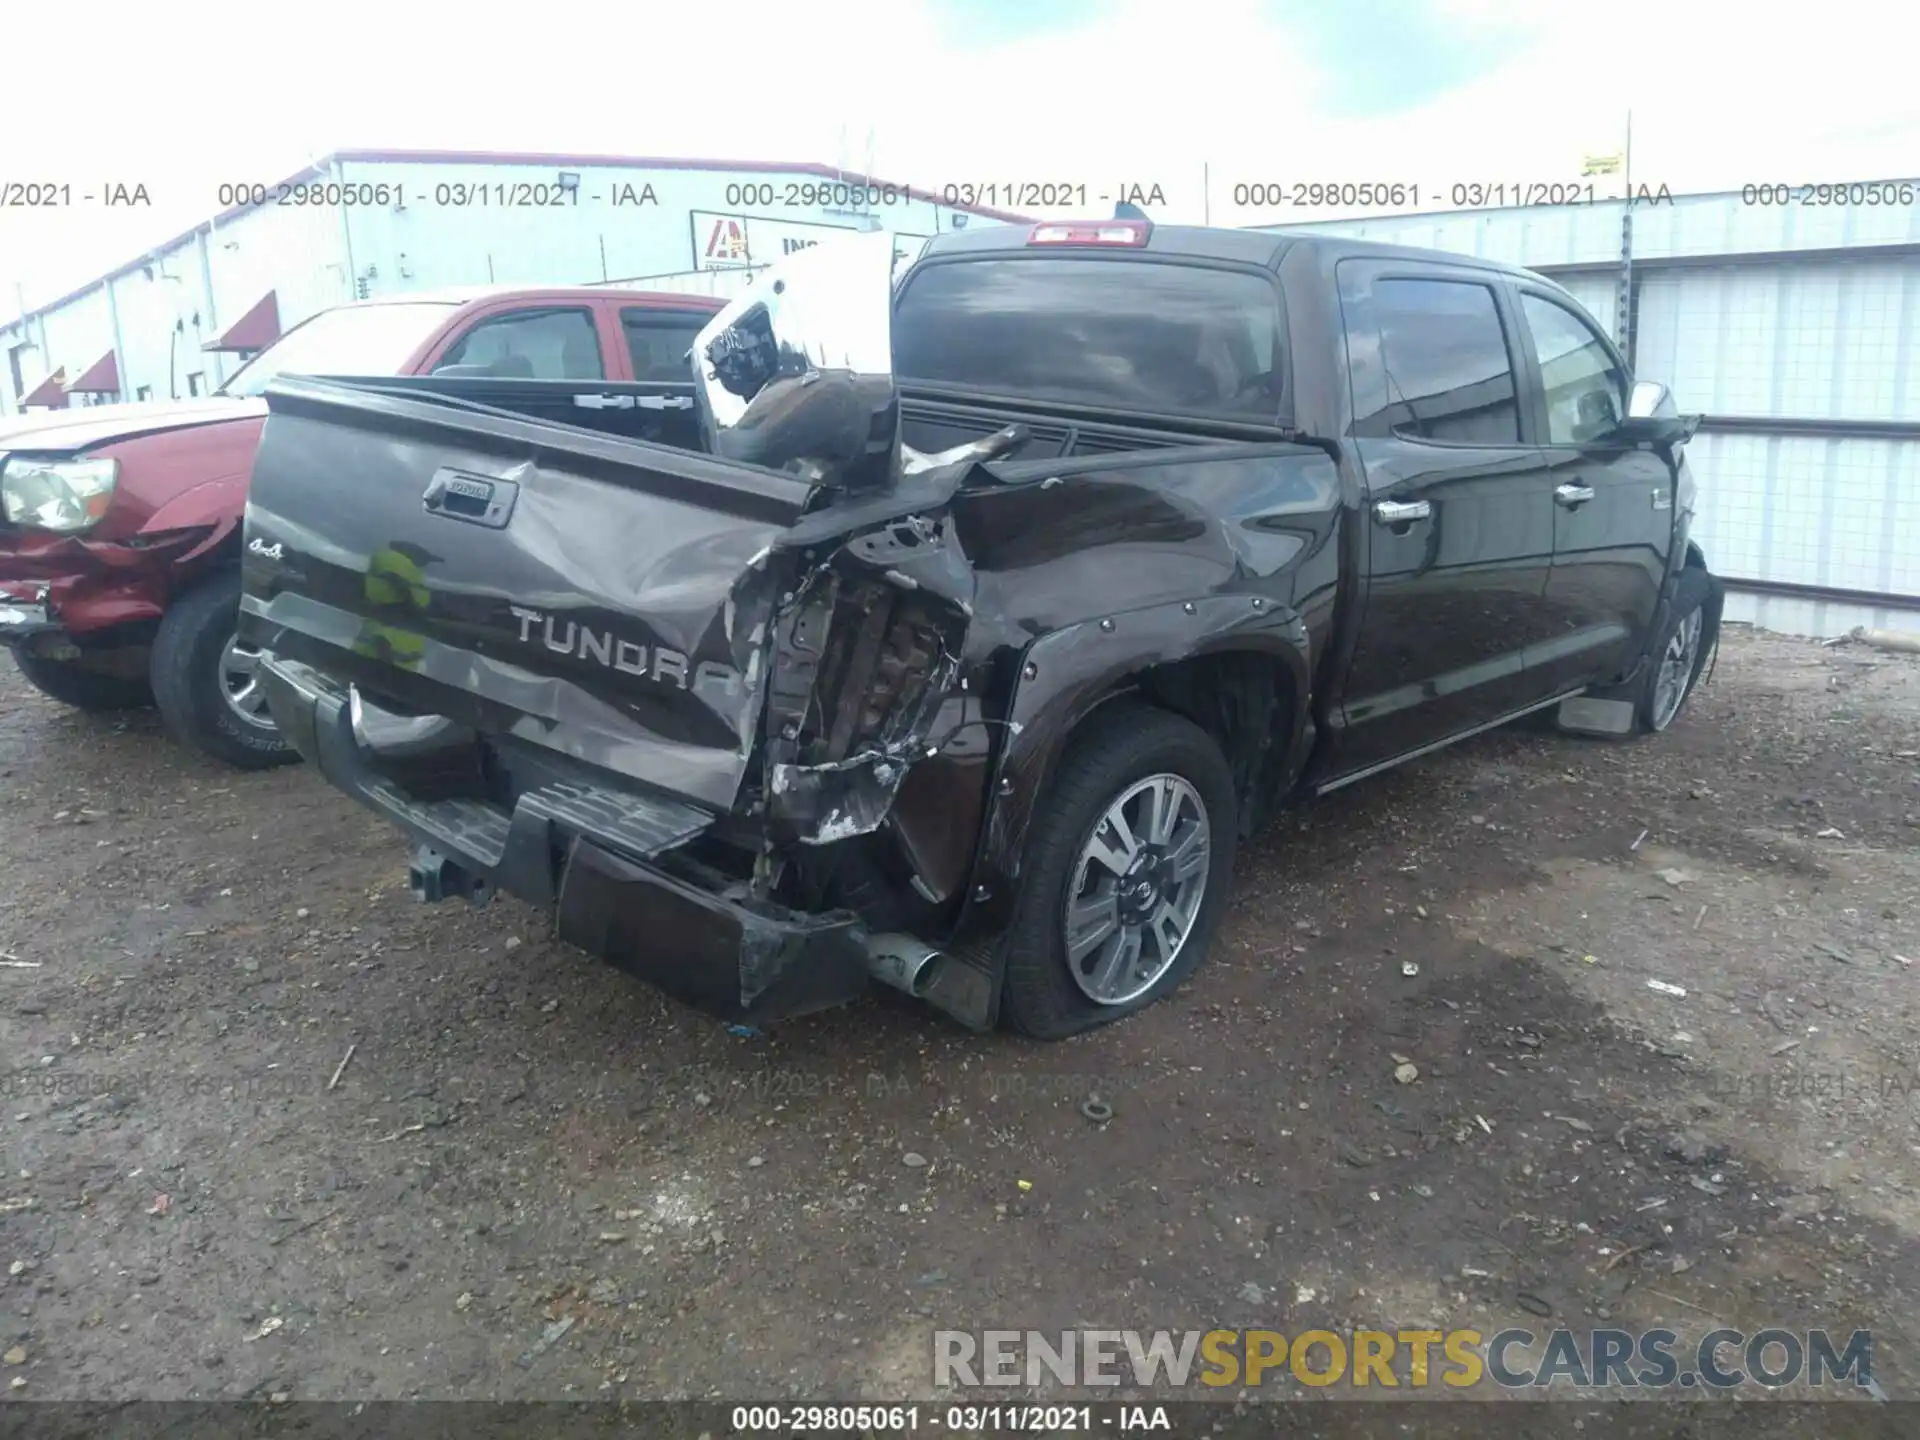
145	392
197	383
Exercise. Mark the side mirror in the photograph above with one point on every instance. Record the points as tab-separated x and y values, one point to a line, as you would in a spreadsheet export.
796	373
1653	419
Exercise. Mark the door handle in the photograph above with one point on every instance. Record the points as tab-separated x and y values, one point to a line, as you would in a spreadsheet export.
1399	512
664	402
1572	495
604	402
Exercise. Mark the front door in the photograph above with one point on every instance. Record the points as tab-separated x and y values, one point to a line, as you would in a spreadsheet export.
1613	502
1458	515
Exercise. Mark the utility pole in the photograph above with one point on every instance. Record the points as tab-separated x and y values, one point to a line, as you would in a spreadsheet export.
1623	300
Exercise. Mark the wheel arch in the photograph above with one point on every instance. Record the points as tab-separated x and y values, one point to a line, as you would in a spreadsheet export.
1236	666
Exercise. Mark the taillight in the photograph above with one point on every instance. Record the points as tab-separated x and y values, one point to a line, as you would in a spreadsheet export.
1090	232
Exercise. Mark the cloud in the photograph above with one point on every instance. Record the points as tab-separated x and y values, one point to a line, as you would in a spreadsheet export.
987	24
1145	92
1376	57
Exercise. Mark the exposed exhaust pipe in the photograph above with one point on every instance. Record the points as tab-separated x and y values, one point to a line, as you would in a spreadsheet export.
964	989
903	962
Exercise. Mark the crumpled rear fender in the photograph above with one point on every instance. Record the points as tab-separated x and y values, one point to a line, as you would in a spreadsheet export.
1066	674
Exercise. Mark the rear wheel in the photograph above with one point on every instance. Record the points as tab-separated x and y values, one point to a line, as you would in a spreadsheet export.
72	682
1128	867
207	683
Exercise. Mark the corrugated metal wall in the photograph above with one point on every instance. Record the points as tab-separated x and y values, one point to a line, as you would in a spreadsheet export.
627	221
724	284
184	295
1794	327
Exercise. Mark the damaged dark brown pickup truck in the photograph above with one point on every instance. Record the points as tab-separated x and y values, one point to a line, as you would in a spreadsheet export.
989	608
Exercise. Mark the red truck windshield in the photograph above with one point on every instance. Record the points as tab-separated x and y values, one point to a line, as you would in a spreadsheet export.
1135	335
352	340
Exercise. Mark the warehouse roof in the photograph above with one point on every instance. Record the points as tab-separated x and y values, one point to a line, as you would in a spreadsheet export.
504	157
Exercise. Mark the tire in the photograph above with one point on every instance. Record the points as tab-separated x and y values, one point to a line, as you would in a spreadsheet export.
1123	747
189	674
84	689
1680	650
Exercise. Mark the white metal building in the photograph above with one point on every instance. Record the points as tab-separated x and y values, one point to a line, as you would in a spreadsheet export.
1793	324
178	320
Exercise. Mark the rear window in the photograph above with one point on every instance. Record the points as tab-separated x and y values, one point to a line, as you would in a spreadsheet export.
1119	334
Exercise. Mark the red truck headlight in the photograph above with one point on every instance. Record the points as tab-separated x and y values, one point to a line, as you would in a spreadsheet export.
66	496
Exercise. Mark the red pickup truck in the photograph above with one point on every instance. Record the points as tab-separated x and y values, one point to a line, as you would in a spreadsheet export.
120	526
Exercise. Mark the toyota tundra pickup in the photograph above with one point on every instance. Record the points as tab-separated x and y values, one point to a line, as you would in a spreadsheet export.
992	606
120	524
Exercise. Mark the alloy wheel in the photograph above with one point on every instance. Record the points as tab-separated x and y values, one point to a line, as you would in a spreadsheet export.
1676	670
240	685
1136	889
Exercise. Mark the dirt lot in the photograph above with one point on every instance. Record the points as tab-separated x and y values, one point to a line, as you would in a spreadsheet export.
523	1137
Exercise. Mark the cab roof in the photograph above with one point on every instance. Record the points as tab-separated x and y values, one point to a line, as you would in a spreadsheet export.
1201	242
474	294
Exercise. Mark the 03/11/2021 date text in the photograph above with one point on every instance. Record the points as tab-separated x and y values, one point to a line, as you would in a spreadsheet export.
1369	193
447	194
1046	194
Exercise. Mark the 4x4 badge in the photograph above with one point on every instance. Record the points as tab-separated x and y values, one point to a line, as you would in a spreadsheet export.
264	551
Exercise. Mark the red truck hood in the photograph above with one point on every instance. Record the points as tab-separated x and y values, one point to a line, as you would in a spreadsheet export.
72	430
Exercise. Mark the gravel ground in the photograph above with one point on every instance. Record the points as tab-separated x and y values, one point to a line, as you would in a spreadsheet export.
201	1202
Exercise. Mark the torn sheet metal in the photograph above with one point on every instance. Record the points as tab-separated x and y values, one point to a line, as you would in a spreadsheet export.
866	653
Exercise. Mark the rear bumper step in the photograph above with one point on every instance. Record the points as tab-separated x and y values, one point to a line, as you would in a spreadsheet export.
582	853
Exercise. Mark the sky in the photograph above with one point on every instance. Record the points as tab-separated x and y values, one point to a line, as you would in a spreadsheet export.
1194	96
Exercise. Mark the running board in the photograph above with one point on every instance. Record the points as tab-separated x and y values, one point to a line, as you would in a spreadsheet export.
1454	739
1585	715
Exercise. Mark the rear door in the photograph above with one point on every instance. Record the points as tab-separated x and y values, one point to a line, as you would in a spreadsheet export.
1613	502
655	397
1458	513
567	362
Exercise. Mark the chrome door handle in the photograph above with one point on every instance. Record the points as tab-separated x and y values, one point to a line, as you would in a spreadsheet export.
1399	512
604	402
1572	495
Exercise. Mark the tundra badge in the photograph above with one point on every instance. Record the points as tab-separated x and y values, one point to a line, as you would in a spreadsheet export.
669	667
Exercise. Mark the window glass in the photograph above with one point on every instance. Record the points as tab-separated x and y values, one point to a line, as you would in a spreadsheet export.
1444	357
1118	334
529	345
347	340
658	341
1586	391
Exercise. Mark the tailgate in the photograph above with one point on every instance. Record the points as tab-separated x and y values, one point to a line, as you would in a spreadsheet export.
602	598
